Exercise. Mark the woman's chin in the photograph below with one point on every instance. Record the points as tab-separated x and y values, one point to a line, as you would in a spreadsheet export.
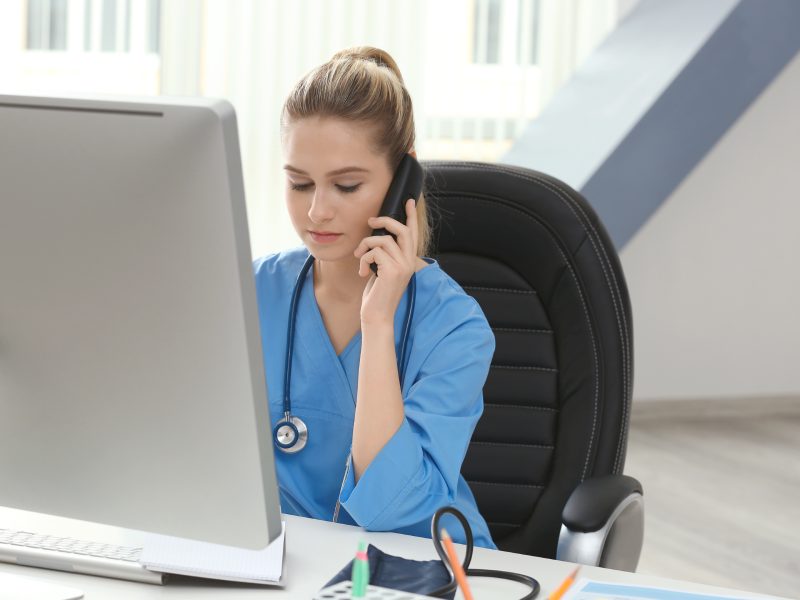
331	253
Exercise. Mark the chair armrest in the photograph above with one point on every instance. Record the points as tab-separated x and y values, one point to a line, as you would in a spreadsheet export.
603	523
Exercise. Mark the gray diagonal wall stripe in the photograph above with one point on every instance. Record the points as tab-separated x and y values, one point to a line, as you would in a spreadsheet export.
735	61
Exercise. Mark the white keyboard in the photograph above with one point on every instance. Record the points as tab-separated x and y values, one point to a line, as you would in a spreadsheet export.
79	556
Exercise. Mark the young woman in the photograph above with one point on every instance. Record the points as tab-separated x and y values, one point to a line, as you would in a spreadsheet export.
360	438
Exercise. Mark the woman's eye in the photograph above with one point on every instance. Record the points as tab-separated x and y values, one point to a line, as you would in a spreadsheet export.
301	187
348	189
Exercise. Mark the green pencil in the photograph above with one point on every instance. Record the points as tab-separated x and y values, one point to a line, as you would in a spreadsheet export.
360	575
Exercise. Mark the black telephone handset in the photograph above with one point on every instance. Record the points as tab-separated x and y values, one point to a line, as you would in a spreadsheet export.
406	183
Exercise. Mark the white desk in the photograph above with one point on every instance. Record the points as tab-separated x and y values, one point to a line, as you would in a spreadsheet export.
315	551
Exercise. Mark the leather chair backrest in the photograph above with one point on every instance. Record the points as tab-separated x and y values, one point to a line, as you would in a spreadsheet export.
557	399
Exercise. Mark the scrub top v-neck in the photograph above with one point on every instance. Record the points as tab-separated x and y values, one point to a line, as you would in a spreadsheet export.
353	347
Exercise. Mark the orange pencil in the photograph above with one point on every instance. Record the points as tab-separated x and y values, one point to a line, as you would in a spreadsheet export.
455	564
562	589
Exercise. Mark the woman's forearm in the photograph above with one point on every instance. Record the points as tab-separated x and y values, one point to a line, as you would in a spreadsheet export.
379	407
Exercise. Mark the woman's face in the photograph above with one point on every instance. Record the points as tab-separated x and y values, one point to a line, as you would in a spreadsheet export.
334	182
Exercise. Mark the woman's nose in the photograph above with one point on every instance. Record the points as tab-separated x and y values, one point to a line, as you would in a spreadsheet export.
321	209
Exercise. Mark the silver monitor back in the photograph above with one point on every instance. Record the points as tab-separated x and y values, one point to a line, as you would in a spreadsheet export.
132	386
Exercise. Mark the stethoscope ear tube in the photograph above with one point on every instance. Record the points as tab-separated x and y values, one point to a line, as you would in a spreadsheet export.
451	587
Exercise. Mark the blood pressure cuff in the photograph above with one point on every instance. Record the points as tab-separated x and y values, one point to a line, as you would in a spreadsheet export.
414	576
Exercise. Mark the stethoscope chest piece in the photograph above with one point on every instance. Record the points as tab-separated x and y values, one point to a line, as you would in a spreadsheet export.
291	434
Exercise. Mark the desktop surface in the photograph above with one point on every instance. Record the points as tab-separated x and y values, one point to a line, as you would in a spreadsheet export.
315	552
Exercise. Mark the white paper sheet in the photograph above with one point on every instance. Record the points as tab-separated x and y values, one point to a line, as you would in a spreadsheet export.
202	559
587	589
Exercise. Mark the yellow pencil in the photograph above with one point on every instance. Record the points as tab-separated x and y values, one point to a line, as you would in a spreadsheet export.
455	564
562	589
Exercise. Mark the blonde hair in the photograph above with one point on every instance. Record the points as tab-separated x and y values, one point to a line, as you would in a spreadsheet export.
363	85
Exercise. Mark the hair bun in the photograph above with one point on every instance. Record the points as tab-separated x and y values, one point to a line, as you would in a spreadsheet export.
371	54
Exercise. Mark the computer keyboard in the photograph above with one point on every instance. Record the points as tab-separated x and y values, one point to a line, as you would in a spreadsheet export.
61	544
68	554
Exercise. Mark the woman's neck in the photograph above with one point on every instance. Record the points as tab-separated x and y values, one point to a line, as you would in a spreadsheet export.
339	279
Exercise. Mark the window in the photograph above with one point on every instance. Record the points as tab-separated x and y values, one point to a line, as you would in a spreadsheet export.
528	32
47	25
97	26
505	32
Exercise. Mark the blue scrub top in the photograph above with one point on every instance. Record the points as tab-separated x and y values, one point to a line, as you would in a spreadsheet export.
450	347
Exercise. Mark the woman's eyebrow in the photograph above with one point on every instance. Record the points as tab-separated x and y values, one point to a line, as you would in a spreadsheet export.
332	173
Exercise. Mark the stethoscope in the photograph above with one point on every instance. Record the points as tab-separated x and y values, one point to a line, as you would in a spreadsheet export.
450	588
291	433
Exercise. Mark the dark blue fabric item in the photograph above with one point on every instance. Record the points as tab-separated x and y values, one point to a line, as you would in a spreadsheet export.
394	572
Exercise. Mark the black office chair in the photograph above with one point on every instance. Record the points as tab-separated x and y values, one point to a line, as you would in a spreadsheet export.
545	462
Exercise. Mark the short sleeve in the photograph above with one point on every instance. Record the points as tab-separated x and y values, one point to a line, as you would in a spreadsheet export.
418	469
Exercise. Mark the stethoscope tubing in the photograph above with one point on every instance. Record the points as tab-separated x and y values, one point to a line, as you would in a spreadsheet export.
287	373
451	587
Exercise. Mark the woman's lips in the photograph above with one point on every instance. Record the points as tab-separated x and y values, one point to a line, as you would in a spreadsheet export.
324	237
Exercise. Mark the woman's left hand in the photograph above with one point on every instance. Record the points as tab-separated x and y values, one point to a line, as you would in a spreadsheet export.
396	260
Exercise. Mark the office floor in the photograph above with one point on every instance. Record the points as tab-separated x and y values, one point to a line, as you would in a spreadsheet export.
722	491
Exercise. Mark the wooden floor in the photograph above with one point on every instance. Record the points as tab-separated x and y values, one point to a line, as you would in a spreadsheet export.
721	490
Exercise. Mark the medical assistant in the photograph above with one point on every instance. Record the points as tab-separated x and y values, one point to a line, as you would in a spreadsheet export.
450	347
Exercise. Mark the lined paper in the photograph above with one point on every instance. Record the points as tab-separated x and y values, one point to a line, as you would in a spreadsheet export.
202	559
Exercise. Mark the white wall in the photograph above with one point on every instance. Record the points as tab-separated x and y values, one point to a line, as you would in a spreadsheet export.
12	33
714	276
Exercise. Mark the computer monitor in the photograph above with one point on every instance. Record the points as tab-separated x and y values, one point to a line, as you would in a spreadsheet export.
132	385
